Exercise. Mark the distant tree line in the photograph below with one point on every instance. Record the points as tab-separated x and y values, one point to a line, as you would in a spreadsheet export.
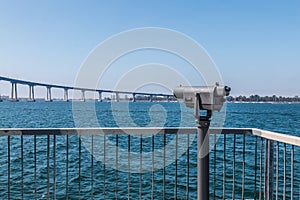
257	98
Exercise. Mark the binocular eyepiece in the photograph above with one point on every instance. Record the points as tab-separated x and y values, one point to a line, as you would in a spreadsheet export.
211	97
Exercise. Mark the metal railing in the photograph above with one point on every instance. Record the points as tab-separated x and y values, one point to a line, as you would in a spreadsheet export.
107	163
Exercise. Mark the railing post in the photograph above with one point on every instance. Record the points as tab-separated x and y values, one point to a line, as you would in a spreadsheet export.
269	169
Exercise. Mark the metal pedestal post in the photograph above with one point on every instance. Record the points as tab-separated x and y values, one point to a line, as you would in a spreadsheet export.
203	123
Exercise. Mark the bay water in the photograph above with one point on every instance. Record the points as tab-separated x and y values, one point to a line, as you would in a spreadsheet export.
283	118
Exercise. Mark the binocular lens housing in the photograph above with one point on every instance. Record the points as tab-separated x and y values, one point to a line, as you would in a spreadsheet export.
211	97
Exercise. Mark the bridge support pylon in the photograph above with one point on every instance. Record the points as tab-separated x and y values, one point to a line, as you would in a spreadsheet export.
14	92
82	96
100	97
31	94
48	97
66	95
168	98
151	98
117	97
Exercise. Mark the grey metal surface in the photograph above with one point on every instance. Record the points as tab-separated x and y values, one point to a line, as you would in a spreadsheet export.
176	167
277	169
67	167
260	168
54	167
203	160
215	160
164	169
233	167
152	173
284	138
92	171
269	170
128	175
117	166
255	168
188	169
141	167
22	165
79	167
34	179
224	167
284	171
243	167
8	167
104	173
292	172
48	166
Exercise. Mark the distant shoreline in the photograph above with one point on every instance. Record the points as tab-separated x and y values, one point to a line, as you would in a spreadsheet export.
264	99
261	102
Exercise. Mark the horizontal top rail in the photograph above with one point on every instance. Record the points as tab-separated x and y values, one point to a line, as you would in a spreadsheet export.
288	139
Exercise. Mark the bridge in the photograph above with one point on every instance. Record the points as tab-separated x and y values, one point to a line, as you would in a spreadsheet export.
31	85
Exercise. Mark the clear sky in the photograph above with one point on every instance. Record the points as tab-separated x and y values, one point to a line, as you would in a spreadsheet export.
255	44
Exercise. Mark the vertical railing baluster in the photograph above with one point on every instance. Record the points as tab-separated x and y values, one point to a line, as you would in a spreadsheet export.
128	155
284	171
265	170
92	166
243	170
255	167
117	165
48	166
277	169
54	166
292	172
79	165
266	181
8	167
266	174
188	168
22	164
215	169
164	170
260	169
176	166
224	166
152	171
269	169
233	167
141	166
67	167
34	149
104	158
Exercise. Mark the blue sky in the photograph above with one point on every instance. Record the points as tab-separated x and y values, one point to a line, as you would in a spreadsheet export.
255	44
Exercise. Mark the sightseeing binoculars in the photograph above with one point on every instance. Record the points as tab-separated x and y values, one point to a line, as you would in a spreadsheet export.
209	98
